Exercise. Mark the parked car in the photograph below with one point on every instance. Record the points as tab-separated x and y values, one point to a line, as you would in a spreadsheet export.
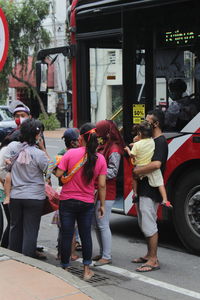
7	123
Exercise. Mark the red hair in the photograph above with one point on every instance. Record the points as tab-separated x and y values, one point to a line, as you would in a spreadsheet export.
108	130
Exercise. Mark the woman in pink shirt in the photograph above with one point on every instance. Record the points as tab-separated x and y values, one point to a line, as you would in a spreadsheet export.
84	166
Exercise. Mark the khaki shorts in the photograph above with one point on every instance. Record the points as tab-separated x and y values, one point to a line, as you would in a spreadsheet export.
147	216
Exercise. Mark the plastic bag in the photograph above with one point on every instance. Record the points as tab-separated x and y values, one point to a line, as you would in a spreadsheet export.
52	200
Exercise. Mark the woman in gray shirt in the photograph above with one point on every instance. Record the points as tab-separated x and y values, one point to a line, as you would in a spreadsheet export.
28	188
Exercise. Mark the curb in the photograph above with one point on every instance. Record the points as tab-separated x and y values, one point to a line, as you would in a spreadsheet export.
83	286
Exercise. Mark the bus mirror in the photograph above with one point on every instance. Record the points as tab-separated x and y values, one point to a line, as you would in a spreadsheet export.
41	76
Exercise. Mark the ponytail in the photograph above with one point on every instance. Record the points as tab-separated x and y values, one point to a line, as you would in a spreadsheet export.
89	134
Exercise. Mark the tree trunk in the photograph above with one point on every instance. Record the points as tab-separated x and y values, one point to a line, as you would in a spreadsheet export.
35	93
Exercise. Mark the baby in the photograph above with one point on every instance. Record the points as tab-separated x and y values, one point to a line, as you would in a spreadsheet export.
141	153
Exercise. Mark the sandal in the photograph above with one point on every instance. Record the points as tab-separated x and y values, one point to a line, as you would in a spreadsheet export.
139	260
97	257
74	257
147	268
78	246
40	255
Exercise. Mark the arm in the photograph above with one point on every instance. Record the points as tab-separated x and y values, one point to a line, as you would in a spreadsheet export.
102	193
58	172
127	149
152	166
41	146
113	165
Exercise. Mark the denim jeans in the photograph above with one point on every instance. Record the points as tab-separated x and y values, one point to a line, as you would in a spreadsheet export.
102	228
72	210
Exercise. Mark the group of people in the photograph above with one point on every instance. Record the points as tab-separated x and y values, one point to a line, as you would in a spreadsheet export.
87	172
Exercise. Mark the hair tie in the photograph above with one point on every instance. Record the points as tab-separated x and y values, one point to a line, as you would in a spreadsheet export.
93	130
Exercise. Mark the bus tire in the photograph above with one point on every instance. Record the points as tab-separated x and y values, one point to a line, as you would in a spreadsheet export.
186	211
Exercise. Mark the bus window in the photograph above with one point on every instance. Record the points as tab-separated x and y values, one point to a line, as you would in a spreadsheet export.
140	76
106	84
175	91
161	93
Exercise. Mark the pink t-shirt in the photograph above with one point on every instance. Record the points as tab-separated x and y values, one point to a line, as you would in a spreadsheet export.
76	188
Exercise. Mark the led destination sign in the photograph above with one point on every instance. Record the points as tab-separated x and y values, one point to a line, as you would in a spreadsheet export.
178	37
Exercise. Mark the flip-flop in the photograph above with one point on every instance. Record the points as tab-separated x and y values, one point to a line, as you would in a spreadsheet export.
139	260
78	246
97	257
75	257
150	268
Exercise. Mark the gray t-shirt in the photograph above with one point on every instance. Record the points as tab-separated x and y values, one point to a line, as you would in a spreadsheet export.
28	179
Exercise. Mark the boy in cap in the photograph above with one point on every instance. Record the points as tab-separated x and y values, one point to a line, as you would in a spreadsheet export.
21	113
70	137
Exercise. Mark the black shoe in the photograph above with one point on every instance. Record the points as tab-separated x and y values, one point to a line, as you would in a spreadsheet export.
40	249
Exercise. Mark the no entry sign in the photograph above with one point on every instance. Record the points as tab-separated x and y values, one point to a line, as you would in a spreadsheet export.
4	38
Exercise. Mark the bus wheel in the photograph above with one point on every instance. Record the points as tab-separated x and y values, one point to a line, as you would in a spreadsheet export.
187	211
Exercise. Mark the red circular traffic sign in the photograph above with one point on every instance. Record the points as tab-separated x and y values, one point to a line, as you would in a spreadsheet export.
4	39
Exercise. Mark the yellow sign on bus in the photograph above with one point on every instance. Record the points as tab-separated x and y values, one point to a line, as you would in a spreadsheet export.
138	113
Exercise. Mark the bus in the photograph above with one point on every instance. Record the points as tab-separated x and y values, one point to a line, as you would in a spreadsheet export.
123	56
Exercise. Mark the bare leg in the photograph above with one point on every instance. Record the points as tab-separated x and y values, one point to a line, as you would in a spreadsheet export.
163	193
152	259
87	273
135	186
74	256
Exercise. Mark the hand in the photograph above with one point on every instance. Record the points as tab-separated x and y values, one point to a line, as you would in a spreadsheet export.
131	145
101	211
126	149
40	143
8	161
48	181
6	200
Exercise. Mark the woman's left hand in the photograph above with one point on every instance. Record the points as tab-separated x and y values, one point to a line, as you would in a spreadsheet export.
101	211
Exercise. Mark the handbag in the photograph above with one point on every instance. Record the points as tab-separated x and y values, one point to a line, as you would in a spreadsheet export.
52	200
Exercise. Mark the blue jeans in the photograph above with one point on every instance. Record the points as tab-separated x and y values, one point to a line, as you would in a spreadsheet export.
102	228
72	210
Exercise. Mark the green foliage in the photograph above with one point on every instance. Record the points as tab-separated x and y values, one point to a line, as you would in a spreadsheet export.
26	33
51	123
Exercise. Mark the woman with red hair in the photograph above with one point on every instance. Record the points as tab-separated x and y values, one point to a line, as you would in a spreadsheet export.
111	145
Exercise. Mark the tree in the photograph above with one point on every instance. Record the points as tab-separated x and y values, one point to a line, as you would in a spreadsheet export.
27	36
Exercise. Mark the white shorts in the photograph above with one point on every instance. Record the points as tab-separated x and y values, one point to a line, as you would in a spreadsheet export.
147	216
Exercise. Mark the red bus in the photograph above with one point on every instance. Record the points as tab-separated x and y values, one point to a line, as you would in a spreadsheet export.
124	54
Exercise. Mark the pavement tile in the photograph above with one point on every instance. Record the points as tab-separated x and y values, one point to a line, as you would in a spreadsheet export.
30	283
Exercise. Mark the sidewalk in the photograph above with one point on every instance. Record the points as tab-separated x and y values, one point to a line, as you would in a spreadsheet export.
57	133
25	278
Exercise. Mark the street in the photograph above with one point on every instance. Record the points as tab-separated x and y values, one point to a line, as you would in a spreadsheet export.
178	277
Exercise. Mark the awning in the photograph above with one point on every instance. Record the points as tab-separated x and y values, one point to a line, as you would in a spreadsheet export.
29	76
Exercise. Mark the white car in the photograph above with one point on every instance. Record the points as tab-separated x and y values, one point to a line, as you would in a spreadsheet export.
7	123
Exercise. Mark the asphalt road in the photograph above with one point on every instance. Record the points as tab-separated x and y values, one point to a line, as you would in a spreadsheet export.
177	279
